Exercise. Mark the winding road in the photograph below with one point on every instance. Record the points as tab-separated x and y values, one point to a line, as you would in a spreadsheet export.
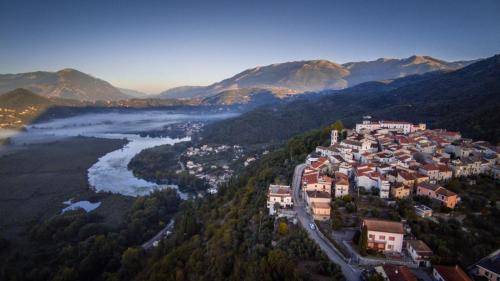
160	235
350	273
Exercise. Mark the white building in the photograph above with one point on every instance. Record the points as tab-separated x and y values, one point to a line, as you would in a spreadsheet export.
419	252
279	194
384	235
341	185
403	127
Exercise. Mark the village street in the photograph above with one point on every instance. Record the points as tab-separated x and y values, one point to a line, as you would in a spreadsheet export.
351	274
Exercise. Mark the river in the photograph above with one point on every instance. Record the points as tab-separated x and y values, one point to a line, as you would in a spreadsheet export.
110	172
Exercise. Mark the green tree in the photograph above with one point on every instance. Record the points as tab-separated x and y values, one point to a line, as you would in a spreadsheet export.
132	261
363	241
66	274
283	228
338	125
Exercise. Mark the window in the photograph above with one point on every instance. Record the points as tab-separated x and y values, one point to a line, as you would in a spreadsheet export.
391	238
371	236
381	237
390	247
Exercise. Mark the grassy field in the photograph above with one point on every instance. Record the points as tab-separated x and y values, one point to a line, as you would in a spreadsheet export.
35	181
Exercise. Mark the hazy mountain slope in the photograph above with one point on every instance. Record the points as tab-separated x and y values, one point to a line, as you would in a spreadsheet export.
382	69
67	83
184	92
246	96
133	93
467	100
317	75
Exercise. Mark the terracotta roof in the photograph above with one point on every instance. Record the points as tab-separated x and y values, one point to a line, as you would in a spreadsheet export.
430	167
452	273
420	247
384	226
406	175
398	273
321	161
352	142
310	178
318	194
443	168
326	179
399	185
320	205
445	192
279	190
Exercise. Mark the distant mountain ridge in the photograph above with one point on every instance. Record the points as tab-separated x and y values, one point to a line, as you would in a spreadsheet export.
467	99
318	75
67	83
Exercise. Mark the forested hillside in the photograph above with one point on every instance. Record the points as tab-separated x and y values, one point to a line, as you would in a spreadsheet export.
227	236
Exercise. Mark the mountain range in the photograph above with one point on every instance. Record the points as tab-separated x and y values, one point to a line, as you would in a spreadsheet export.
467	99
282	79
317	75
67	83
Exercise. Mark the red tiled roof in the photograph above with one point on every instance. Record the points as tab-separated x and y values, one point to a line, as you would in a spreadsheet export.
384	226
310	178
398	273
445	192
430	167
318	194
420	247
452	273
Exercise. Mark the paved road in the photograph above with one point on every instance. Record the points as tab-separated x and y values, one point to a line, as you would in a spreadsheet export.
162	233
350	273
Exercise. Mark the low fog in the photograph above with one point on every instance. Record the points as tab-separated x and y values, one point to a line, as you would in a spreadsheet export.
110	172
99	124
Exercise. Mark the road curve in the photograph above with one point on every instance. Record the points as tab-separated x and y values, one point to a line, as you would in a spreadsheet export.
160	235
350	273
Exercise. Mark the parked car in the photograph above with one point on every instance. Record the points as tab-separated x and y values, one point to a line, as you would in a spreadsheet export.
312	226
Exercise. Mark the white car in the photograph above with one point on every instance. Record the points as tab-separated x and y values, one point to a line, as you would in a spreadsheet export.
312	226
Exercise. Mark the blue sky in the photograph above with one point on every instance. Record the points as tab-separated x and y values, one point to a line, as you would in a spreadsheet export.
155	45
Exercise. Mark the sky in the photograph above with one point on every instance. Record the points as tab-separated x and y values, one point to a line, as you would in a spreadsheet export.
155	45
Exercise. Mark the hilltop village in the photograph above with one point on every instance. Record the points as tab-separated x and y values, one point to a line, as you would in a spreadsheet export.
379	166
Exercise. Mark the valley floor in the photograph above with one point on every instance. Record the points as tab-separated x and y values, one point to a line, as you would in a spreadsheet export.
37	179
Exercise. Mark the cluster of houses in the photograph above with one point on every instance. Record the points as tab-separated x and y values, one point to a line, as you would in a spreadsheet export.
388	236
398	160
395	160
214	172
10	118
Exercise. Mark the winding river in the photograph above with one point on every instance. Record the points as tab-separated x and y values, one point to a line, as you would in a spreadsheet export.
110	173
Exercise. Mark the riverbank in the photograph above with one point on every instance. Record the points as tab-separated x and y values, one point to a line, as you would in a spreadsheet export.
37	179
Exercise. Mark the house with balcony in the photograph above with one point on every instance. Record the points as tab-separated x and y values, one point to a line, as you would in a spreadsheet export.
341	185
419	252
384	235
400	191
446	197
279	195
